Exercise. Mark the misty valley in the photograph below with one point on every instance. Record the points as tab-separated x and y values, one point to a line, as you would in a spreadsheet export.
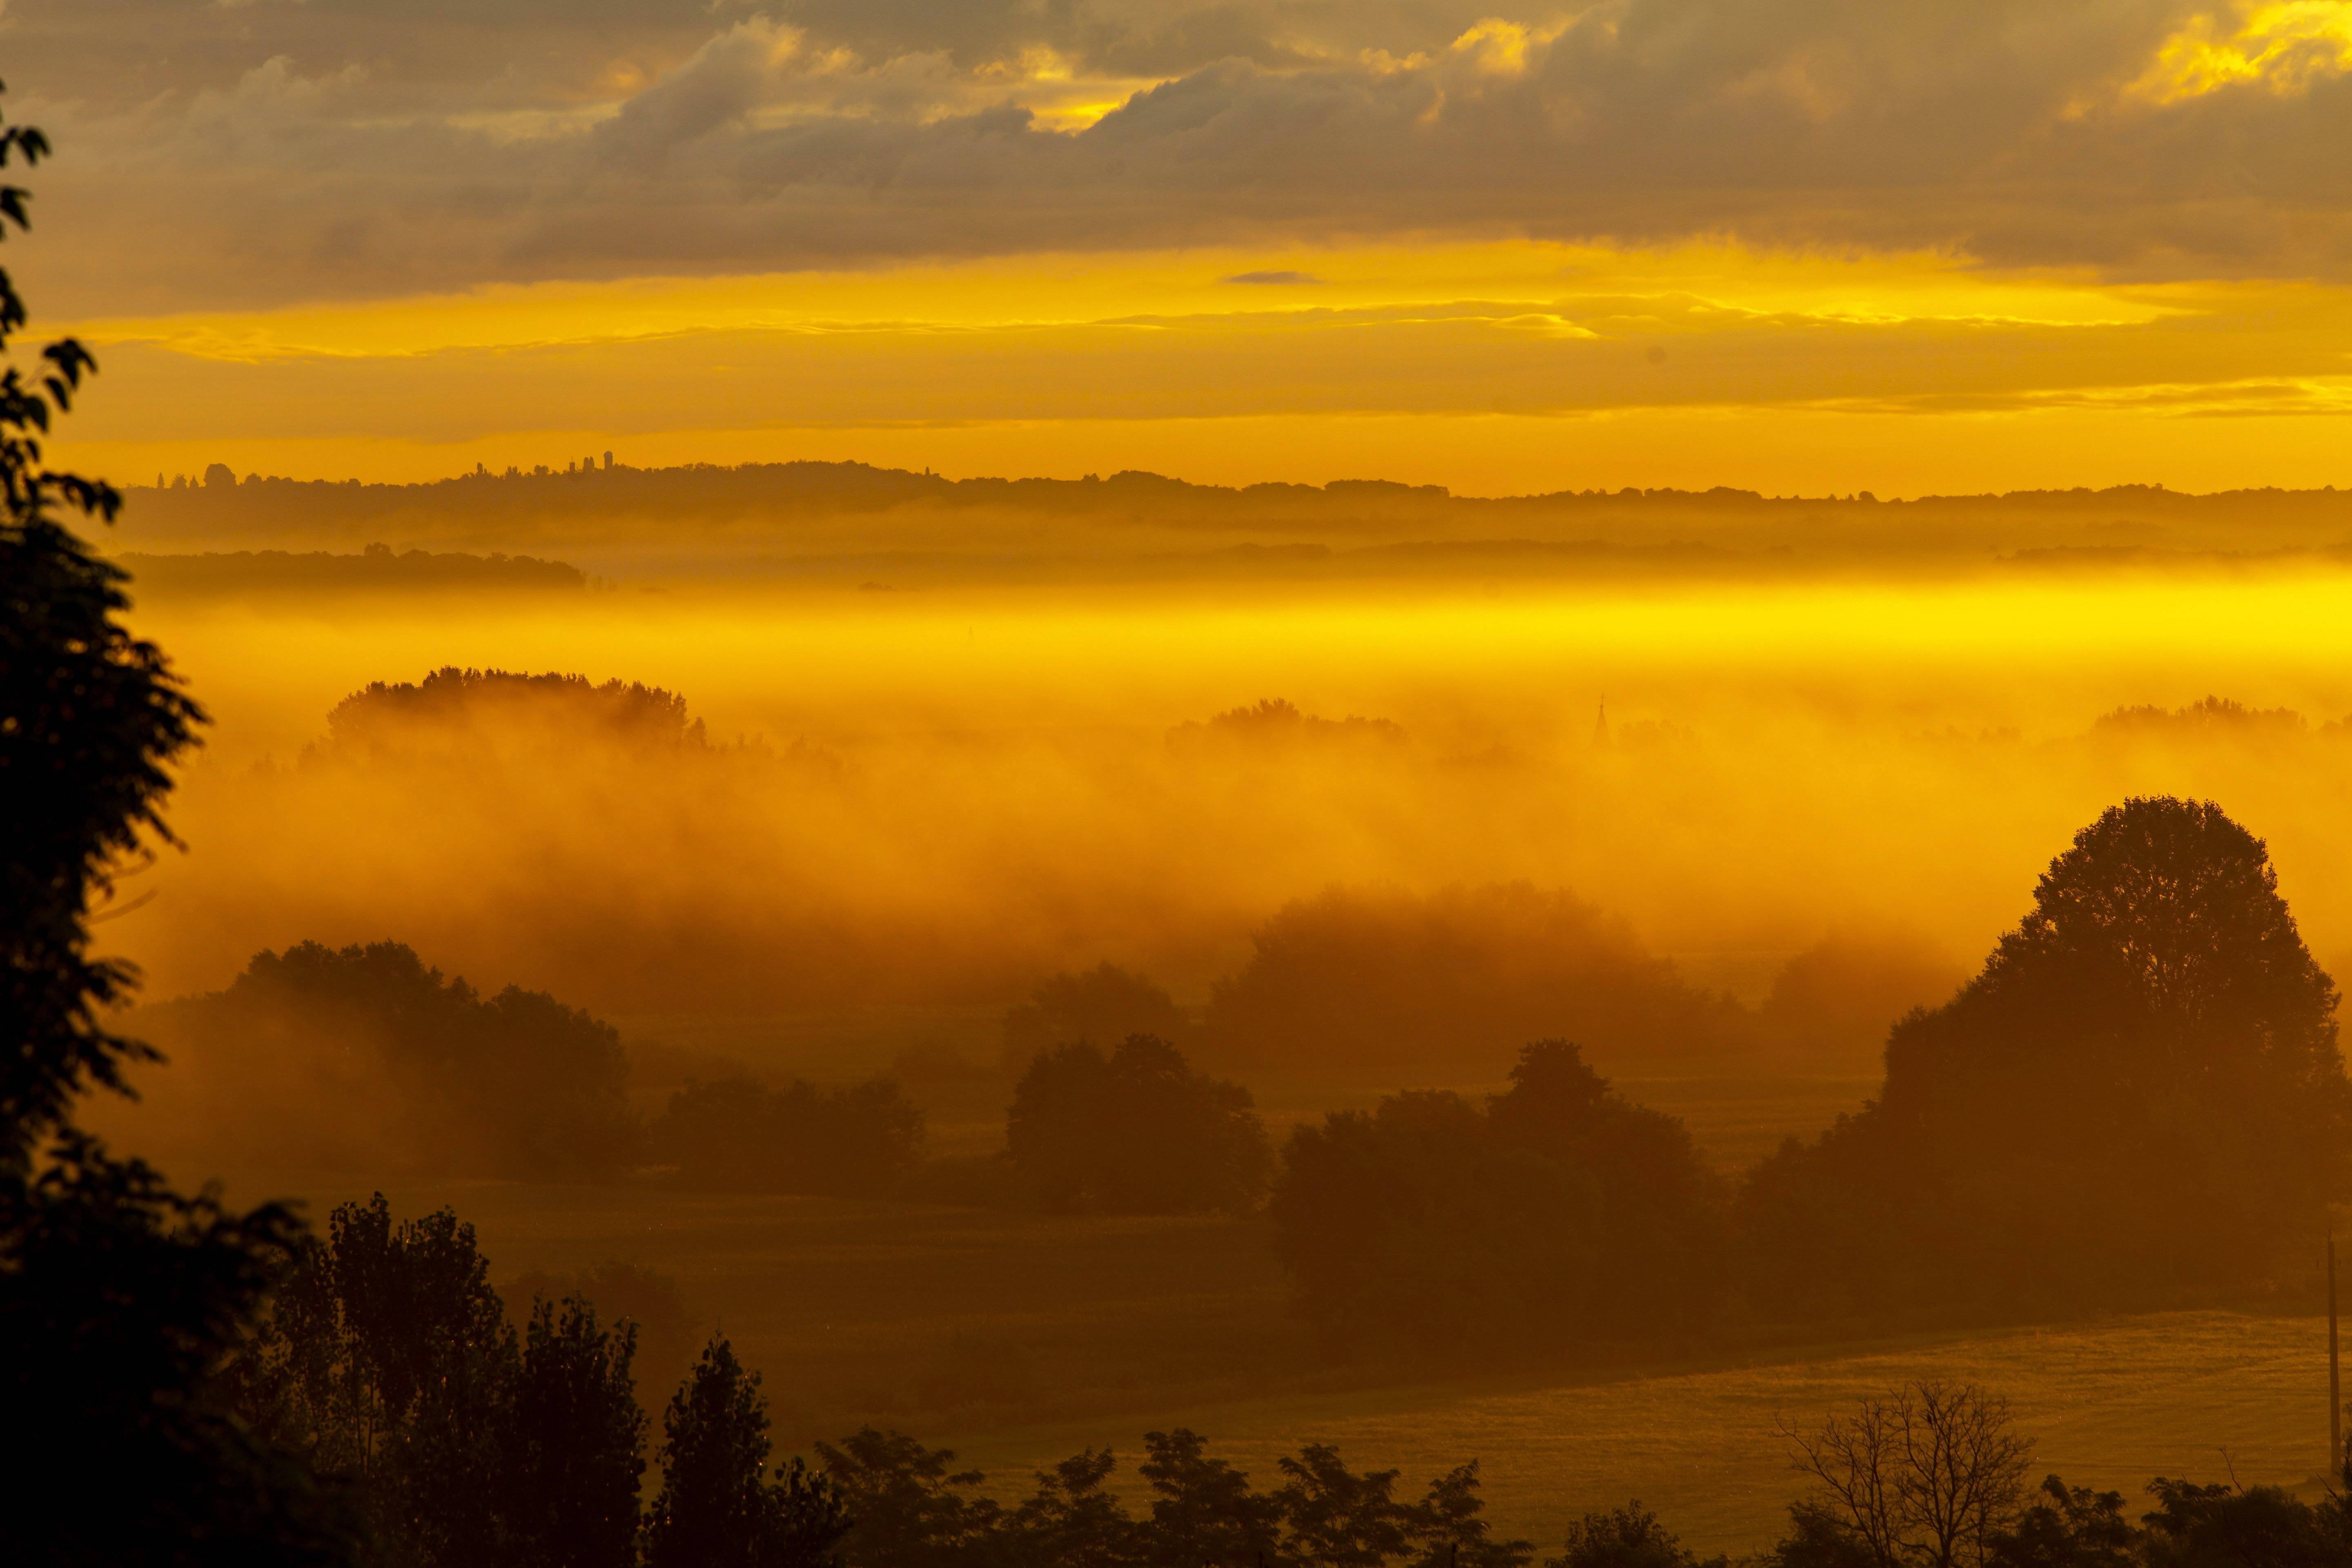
1174	783
1475	1063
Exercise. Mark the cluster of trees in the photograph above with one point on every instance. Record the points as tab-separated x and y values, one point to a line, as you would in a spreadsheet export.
1556	1211
1133	1130
2210	717
907	1508
365	1056
2139	1100
1105	1002
1932	1475
456	705
386	1365
1276	721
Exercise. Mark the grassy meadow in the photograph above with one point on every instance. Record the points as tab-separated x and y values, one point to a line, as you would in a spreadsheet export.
2111	1404
1018	1338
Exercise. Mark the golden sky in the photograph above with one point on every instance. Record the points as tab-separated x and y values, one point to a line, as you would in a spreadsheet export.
1793	245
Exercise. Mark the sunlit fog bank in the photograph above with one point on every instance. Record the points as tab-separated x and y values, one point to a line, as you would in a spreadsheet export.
1361	834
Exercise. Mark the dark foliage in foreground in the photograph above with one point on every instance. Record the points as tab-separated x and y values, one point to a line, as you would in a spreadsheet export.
119	1298
909	1510
719	1507
123	1300
1559	1211
2193	1525
388	1360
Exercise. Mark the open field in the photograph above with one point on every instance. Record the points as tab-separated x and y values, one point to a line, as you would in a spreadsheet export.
1019	1339
2205	1395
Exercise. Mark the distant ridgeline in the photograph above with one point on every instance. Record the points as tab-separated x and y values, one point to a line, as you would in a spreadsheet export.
377	568
783	502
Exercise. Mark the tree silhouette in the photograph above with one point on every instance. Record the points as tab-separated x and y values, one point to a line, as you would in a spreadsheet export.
1560	1211
2139	1100
380	1061
1135	1130
91	718
386	1359
2070	1527
1448	1532
1928	1476
1338	1517
717	1507
1072	1520
1626	1537
1101	1005
124	1296
573	1443
906	1507
1202	1509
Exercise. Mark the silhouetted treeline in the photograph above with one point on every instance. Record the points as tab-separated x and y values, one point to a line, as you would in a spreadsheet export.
2211	716
2139	1100
365	1057
376	569
777	499
907	1508
1275	722
451	704
1556	1213
737	1135
386	1362
1932	1475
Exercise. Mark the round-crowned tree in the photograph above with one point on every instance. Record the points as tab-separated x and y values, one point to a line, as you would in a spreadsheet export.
2140	1097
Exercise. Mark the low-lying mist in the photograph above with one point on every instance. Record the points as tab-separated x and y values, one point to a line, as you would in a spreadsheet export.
1357	838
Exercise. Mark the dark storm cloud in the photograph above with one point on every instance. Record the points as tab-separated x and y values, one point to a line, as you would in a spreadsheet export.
317	148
